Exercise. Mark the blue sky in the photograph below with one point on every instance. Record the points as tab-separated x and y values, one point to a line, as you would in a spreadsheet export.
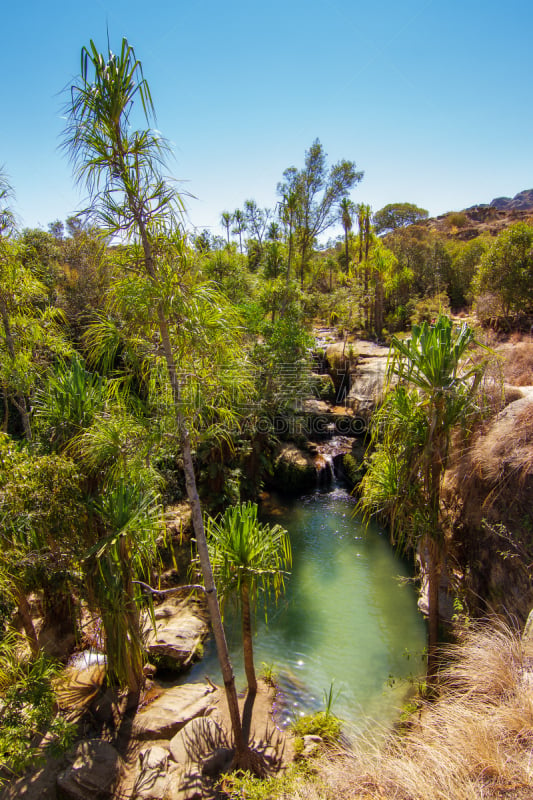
434	101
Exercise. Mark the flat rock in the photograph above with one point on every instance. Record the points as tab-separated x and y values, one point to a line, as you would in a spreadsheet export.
93	772
163	718
180	629
196	740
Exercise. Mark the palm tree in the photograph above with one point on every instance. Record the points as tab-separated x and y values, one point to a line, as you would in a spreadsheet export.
248	558
122	170
412	431
225	220
346	209
128	521
239	220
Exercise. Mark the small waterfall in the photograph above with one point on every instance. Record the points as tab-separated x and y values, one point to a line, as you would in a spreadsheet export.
325	469
326	455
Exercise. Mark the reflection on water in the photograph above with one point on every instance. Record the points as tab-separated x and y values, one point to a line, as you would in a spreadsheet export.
346	617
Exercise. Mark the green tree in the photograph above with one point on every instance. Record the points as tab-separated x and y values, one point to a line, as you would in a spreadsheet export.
506	269
436	392
316	192
397	215
42	516
256	220
122	169
31	334
249	558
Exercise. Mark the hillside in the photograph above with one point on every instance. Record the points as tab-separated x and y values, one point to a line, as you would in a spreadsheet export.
485	218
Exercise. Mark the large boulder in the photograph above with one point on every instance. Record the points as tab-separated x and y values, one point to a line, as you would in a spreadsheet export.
178	636
173	709
94	771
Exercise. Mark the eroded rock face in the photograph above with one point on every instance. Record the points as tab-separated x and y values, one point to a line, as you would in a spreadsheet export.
93	773
166	715
180	630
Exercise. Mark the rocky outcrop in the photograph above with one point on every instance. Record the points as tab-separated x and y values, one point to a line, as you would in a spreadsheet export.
523	201
490	488
179	632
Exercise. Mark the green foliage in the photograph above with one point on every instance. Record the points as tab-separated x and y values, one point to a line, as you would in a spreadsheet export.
129	515
427	309
322	724
247	552
397	215
313	194
28	711
287	784
506	269
457	219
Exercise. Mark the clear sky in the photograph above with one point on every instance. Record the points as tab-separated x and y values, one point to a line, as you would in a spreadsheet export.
434	101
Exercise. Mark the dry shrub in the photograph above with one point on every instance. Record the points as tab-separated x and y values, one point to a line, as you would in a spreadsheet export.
518	364
473	742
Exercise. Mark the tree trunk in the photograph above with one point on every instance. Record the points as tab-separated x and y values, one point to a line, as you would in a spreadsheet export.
434	569
247	640
23	609
203	554
346	253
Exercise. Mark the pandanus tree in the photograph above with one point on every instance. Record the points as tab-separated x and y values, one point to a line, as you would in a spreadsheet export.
122	168
347	209
249	559
225	221
436	392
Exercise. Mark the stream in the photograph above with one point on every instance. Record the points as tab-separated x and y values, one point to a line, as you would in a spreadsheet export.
348	616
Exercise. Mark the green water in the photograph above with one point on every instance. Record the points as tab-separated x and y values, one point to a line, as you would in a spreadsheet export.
346	617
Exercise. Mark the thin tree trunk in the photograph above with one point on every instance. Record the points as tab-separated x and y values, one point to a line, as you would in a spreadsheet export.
247	640
23	609
346	254
433	567
201	544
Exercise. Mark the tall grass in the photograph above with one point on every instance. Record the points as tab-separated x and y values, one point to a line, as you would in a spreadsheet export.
475	741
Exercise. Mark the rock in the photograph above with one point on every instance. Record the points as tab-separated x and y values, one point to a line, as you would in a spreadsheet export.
180	630
154	782
311	745
294	470
202	750
93	773
154	757
169	712
366	383
196	740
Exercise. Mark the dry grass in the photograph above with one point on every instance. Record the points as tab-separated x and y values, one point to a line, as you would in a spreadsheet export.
475	741
518	363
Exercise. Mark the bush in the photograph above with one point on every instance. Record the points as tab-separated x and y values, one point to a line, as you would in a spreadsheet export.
427	309
28	711
457	219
